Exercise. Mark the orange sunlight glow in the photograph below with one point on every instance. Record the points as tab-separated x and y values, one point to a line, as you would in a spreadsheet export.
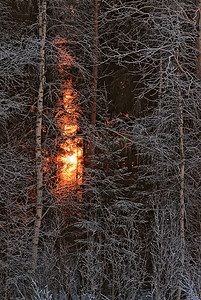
70	158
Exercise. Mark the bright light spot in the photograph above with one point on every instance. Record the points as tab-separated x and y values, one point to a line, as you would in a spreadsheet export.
71	159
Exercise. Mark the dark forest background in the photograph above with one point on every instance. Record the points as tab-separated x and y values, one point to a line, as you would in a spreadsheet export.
136	232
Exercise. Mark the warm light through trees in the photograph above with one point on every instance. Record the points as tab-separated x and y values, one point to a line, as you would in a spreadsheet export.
100	150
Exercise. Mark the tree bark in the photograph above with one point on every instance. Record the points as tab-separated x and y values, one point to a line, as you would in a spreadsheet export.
39	165
182	174
95	82
7	251
198	2
199	39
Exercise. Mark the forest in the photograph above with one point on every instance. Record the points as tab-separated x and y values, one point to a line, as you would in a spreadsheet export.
100	157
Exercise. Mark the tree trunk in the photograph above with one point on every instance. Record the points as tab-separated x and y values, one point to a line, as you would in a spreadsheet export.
199	39
182	172
39	165
7	251
198	2
95	82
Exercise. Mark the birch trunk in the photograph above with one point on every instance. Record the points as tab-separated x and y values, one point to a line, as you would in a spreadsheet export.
95	81
39	168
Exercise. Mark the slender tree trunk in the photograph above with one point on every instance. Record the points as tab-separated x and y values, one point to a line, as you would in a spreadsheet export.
161	73
95	81
39	167
198	2
7	251
182	173
199	39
